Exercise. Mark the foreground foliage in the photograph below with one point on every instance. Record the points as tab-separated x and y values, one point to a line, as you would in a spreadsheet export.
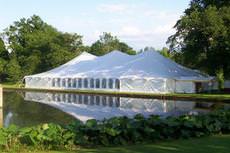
116	131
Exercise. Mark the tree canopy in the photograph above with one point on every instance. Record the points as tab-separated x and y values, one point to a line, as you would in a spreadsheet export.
34	46
30	46
4	57
108	43
202	38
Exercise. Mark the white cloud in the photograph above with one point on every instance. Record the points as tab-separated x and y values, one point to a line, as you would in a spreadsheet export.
162	15
134	31
137	27
111	8
164	29
130	30
140	38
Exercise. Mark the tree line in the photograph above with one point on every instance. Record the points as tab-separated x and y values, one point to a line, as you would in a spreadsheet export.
32	46
201	41
202	38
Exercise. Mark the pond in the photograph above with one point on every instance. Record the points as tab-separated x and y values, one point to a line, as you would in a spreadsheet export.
32	108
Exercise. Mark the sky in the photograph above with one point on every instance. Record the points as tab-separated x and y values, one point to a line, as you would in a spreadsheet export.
139	23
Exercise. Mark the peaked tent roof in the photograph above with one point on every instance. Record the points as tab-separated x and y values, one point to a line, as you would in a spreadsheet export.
85	56
149	64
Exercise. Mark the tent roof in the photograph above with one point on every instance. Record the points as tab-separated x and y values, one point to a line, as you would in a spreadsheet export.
149	64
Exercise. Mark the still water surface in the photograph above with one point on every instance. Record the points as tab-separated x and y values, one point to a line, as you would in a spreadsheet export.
32	108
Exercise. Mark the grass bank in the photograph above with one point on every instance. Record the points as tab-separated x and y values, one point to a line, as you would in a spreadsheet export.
173	96
212	144
10	85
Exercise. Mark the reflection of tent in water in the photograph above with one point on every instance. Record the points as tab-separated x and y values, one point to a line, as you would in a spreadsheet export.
145	72
86	107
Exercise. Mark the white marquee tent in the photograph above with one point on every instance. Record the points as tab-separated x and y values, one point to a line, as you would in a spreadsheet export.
145	72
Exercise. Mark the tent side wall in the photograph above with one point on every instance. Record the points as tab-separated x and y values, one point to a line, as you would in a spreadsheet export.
111	84
157	85
153	85
143	85
37	82
170	86
185	87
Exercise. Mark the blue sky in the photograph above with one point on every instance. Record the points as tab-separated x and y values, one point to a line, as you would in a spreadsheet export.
139	23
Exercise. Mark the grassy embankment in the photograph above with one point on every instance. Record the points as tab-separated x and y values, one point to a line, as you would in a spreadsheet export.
213	144
173	96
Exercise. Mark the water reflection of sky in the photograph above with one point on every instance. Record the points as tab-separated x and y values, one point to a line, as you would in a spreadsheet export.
31	108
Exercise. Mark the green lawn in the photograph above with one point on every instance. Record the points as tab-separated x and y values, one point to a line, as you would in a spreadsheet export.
214	144
10	85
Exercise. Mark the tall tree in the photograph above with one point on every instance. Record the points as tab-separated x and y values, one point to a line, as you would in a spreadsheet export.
108	43
4	54
202	38
4	57
36	46
13	70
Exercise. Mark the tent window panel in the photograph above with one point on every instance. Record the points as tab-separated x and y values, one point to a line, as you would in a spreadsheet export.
97	83
74	83
117	84
59	82
63	83
79	83
69	82
53	83
91	83
103	83
110	83
85	83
